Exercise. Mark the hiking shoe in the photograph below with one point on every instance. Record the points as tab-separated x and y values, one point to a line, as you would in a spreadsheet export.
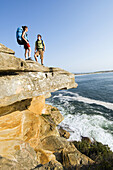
30	59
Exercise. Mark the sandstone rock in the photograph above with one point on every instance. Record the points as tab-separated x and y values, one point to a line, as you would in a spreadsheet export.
47	128
24	118
44	156
6	164
30	128
72	160
11	126
17	106
56	143
65	152
23	125
64	133
4	49
53	114
26	126
9	63
28	85
52	165
38	105
17	155
55	165
22	80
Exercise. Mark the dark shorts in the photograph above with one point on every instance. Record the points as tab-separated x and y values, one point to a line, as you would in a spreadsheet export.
26	45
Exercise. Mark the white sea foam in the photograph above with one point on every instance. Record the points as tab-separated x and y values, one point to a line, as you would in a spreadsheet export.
79	98
89	126
92	126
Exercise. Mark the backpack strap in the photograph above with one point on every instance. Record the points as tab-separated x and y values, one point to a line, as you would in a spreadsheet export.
37	43
42	45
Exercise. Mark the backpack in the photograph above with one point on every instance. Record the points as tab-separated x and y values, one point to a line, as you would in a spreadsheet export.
19	36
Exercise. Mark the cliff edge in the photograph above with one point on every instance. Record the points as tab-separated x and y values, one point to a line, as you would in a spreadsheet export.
29	136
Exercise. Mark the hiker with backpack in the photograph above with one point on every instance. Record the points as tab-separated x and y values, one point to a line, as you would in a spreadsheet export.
22	39
39	48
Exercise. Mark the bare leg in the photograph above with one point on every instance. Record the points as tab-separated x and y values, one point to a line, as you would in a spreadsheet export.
42	61
26	51
36	55
29	52
41	56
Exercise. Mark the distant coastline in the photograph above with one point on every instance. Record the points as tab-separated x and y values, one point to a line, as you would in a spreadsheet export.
96	72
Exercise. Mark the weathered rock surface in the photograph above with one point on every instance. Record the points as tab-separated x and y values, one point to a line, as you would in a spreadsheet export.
28	127
72	160
29	124
4	49
28	85
52	165
9	63
53	114
64	133
23	156
65	152
20	80
44	156
57	143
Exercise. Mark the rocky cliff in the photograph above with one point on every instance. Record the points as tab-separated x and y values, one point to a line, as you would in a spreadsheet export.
29	137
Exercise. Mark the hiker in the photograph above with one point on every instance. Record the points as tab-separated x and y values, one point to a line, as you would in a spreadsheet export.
39	48
26	43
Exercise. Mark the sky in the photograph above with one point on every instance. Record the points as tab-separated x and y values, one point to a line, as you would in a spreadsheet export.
78	34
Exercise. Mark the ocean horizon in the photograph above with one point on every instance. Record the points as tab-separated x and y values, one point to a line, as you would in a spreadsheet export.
93	72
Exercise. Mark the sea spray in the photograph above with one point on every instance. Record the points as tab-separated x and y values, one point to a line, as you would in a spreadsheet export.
88	110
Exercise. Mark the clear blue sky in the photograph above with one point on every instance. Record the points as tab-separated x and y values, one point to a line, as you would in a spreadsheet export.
78	33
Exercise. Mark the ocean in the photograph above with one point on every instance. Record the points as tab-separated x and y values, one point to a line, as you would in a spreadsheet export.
87	109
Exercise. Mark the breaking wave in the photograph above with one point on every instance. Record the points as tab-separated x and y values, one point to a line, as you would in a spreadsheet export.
77	97
94	127
84	111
